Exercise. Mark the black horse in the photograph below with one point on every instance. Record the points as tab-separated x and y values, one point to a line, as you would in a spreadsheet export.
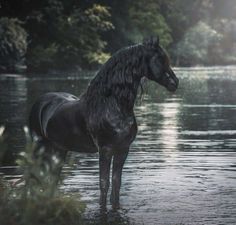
102	119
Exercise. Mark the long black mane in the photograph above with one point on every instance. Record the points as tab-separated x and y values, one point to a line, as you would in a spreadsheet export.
119	77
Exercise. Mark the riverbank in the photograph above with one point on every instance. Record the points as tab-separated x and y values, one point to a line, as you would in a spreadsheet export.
90	73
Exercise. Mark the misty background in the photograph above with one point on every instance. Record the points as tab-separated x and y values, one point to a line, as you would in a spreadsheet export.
71	34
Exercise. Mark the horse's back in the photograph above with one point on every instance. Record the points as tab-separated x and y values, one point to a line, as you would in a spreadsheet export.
44	108
60	119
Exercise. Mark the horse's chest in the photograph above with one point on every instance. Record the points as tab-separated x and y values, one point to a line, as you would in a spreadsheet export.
122	127
116	129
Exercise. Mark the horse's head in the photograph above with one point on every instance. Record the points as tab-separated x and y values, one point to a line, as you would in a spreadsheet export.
159	69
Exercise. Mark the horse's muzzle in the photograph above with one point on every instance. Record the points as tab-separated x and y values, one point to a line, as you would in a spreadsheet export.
173	81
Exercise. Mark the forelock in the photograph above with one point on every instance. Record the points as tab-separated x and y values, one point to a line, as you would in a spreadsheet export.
152	42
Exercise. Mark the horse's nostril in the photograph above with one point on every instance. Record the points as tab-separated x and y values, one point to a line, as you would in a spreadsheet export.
174	82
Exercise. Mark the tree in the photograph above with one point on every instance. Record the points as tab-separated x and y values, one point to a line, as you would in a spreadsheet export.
145	20
65	40
13	45
62	34
194	47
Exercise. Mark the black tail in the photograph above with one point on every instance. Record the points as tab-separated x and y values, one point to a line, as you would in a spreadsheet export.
35	119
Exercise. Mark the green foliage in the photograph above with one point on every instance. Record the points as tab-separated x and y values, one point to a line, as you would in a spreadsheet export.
13	44
194	47
37	201
82	38
75	40
42	58
225	51
146	20
67	34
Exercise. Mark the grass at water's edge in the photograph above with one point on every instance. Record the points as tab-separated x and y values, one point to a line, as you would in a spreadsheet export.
61	210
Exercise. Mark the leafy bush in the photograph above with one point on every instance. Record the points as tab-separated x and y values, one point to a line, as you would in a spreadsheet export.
37	201
75	40
146	20
225	52
42	58
13	44
195	45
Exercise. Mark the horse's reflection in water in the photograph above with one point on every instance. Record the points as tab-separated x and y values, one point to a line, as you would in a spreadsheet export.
102	119
104	217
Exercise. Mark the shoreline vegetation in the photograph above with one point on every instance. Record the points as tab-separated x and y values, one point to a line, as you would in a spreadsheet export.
35	198
89	74
59	35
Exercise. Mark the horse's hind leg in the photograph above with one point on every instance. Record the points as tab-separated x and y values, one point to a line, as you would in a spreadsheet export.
105	157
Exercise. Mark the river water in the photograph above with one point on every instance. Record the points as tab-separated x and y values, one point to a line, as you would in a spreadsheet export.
182	166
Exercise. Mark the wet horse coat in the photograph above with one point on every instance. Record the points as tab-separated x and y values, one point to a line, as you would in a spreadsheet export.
102	119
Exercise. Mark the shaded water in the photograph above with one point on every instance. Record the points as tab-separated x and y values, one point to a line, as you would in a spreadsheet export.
182	166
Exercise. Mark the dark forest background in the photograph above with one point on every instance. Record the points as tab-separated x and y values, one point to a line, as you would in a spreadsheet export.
49	35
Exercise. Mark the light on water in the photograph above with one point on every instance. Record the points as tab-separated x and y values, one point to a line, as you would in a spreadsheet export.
181	168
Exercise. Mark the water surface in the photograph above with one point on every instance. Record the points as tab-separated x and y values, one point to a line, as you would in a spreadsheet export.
182	166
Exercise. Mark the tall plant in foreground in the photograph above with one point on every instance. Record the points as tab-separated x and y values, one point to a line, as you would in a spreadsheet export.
37	199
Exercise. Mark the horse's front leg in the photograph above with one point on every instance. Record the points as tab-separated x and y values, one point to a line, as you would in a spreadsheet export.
118	163
105	156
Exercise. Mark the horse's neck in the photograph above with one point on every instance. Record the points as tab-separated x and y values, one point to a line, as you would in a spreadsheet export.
123	91
125	94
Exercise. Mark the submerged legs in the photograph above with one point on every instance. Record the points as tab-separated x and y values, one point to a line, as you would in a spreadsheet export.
105	157
104	174
118	163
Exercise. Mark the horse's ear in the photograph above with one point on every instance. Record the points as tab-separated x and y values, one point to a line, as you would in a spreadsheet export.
152	42
146	41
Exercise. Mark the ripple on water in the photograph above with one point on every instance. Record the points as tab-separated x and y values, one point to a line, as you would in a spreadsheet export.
181	168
